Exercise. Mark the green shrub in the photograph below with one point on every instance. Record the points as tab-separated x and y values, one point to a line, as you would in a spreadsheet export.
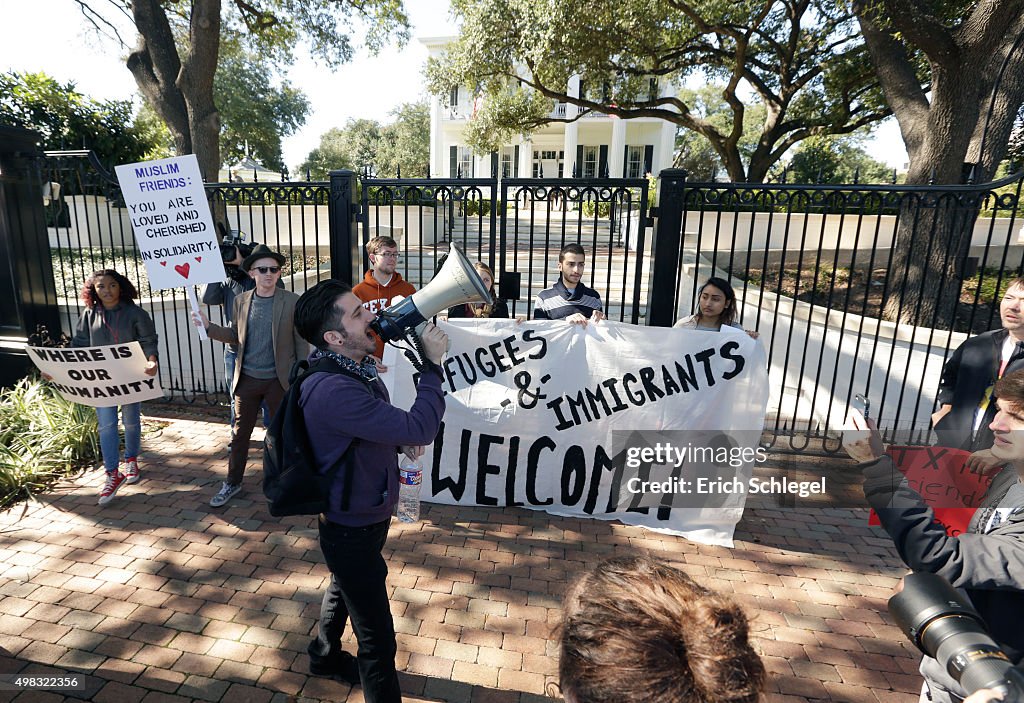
42	438
604	209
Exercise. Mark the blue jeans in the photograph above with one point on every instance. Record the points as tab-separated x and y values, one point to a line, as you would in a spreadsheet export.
230	354
358	593
110	441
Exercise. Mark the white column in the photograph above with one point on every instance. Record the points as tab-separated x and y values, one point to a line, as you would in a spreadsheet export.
571	130
615	162
526	159
437	155
666	149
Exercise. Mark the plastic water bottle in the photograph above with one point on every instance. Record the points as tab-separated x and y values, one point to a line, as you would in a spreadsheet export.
410	477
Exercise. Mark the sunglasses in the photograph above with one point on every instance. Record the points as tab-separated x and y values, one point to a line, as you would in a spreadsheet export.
267	269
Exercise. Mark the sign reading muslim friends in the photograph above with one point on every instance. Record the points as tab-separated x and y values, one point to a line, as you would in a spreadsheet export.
98	376
173	227
600	422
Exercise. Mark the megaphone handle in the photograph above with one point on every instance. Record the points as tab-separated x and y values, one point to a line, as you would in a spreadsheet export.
416	355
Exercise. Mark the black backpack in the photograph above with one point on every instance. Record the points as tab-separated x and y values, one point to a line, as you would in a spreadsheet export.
291	481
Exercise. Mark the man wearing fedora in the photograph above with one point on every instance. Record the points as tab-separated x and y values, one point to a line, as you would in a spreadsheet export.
263	329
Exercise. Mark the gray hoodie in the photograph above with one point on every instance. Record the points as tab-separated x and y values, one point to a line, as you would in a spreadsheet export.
125	322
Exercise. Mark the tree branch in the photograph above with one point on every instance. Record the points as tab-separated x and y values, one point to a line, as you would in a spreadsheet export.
923	30
93	17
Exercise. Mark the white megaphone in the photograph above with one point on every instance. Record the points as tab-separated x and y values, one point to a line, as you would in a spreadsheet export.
457	282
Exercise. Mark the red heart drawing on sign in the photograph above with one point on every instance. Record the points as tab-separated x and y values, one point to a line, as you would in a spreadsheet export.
163	263
182	269
199	259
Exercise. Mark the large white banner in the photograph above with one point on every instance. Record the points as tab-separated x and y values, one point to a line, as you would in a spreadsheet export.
98	376
171	220
577	422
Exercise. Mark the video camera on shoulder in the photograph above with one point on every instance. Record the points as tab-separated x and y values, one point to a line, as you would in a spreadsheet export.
943	624
232	241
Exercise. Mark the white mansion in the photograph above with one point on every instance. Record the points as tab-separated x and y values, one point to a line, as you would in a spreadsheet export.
595	145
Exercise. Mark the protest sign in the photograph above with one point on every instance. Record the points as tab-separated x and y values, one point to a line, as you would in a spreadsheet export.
98	376
171	220
531	410
942	479
172	224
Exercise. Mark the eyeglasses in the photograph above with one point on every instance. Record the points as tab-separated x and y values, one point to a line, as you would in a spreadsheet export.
388	254
267	269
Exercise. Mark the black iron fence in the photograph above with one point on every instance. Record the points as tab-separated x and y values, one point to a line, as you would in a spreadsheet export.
853	289
819	270
517	227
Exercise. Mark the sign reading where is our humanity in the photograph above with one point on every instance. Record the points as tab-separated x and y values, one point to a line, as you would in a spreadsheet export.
171	220
531	408
98	376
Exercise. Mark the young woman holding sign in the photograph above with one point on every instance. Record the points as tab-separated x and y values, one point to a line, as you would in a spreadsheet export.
498	309
716	307
112	317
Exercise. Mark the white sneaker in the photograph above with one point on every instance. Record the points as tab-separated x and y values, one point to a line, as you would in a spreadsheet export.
227	491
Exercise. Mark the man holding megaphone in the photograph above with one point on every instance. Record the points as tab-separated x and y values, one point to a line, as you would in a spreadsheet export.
352	425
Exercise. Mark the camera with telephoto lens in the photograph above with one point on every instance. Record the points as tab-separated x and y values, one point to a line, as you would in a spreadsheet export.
943	624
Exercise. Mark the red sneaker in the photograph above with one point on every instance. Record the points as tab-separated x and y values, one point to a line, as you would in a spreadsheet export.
131	470
114	481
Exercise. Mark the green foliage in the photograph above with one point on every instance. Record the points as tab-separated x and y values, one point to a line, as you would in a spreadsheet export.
66	119
155	133
275	28
353	146
366	143
500	117
406	141
254	112
42	438
694	152
832	159
589	207
804	66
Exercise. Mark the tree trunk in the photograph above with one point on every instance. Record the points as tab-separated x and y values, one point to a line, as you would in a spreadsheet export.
196	85
181	90
934	231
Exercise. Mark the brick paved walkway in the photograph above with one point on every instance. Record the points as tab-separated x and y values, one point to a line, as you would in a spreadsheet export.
159	598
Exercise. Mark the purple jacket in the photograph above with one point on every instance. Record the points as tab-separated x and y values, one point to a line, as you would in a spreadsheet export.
339	408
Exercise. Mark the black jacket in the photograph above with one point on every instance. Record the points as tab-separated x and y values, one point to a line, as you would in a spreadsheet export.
973	367
988	566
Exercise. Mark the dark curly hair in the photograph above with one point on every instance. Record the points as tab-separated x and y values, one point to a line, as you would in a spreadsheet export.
91	300
636	630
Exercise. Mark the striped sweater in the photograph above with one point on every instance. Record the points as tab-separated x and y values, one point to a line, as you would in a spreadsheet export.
556	303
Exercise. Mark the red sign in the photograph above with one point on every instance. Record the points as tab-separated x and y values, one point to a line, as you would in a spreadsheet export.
941	477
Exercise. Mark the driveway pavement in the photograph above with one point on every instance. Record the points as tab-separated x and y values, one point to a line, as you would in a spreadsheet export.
159	598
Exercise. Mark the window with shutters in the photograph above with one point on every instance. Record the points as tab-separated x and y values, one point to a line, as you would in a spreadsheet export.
634	161
465	163
590	161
